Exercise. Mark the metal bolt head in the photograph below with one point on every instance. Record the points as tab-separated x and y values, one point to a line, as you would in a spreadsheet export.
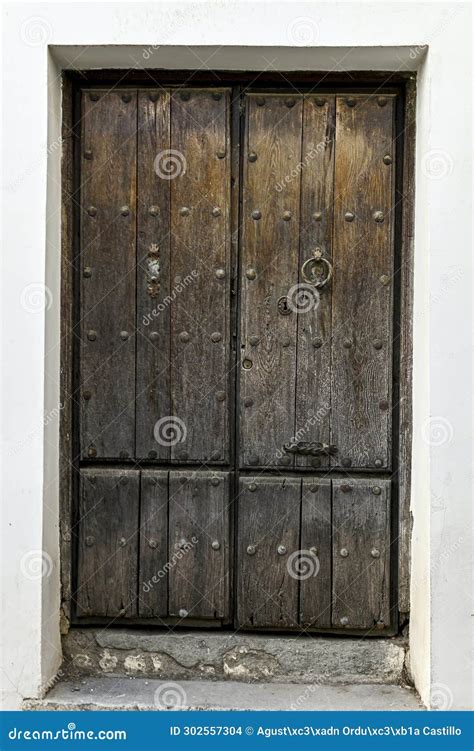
313	551
281	550
378	463
286	216
220	273
346	488
349	216
256	214
92	452
252	156
125	211
254	340
344	621
252	487
383	404
260	100
346	462
93	96
387	159
378	217
87	273
153	211
92	211
215	545
380	625
154	96
92	335
317	216
286	341
317	343
216	95
313	489
126	98
87	395
251	549
251	274
122	542
350	101
89	541
320	101
382	101
152	454
253	460
216	211
385	280
124	335
154	336
152	544
344	552
220	154
215	481
248	402
290	102
183	613
347	344
247	364
376	490
184	211
377	343
220	396
184	337
375	553
87	154
216	336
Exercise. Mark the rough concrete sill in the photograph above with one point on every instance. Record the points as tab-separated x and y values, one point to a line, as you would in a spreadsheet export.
140	694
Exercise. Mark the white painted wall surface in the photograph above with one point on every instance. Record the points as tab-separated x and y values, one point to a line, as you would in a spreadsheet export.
40	38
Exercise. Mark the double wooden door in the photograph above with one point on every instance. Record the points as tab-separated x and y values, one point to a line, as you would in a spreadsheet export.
235	358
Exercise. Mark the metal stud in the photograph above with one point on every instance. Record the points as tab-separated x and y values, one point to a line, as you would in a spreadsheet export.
125	211
290	103
387	159
92	335
317	343
256	214
383	404
380	625
220	154
184	211
385	279
251	549
183	613
184	337
344	621
253	460
87	273
347	344
220	396
92	479
92	211
216	95
215	545
152	454
153	211
320	101
317	216
349	216
377	343
346	462
382	101
344	552
216	211
124	335
92	452
346	488
286	216
87	154
185	96
252	487
89	541
260	100
93	96
313	489
252	157
378	463
247	364
254	340
286	341
251	273
248	402
375	553
350	101
220	273
154	336
281	550
313	551
126	98
216	336
154	96
87	395
376	490
215	481
152	544
378	217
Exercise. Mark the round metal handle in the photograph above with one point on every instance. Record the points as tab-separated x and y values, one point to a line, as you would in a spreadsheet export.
308	267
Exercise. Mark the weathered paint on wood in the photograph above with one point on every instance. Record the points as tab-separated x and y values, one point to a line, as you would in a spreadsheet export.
362	284
267	550
200	274
315	561
199	544
108	543
361	553
154	165
108	259
269	273
153	558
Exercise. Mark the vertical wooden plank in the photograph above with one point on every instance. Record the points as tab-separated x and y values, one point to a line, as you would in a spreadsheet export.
268	543
153	558
155	171
313	374
200	275
108	259
362	282
270	238
108	543
199	544
314	564
361	553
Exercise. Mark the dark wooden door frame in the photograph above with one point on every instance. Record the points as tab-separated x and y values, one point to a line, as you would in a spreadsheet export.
402	84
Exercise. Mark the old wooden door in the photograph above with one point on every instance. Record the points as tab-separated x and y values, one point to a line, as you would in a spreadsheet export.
236	359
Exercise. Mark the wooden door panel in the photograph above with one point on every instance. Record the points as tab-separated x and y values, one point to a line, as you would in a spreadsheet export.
199	545
315	561
361	553
154	169
269	271
362	282
108	543
200	275
107	229
268	541
313	363
154	555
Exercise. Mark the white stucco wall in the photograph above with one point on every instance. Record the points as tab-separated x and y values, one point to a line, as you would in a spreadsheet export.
291	35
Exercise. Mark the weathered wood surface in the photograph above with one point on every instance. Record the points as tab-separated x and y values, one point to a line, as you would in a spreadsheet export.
268	518
153	550
108	543
270	237
199	565
362	285
361	553
200	274
154	168
315	561
108	259
313	366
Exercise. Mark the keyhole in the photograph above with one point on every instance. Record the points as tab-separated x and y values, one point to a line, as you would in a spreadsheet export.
283	306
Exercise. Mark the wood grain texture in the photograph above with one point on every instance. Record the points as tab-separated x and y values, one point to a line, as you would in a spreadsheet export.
153	556
199	544
362	285
313	370
108	543
154	168
108	259
268	517
316	553
200	253
361	530
271	187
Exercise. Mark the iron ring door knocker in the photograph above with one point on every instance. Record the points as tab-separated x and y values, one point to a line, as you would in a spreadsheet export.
308	270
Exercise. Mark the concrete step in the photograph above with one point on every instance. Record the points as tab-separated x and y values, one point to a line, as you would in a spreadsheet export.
142	694
217	655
